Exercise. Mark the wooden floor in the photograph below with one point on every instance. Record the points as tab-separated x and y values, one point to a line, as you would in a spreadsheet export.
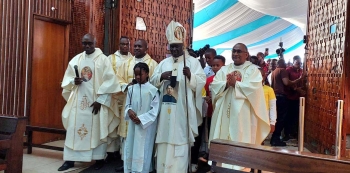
44	161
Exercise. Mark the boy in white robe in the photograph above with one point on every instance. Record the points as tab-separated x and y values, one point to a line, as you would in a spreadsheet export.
141	111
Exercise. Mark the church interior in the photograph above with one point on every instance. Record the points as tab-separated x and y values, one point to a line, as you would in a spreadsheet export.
39	37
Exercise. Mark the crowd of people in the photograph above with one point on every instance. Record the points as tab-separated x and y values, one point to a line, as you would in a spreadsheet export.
155	116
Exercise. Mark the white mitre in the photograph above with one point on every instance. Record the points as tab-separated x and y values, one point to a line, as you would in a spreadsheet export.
175	33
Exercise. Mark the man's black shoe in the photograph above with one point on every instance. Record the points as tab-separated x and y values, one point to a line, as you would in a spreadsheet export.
286	138
277	143
110	157
99	164
119	169
66	165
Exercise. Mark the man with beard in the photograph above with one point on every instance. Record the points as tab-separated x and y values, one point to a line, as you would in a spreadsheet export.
125	75
88	115
176	128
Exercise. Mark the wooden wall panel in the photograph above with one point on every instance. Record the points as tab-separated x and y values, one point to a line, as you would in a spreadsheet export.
156	14
88	16
13	50
325	66
55	9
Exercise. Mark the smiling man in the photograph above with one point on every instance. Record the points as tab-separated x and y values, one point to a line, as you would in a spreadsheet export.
238	98
125	74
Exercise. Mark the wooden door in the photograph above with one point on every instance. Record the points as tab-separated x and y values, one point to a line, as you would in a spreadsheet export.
48	66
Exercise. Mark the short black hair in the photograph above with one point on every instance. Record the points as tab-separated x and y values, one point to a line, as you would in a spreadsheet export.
211	50
261	54
222	58
244	46
254	57
143	42
124	37
142	66
296	57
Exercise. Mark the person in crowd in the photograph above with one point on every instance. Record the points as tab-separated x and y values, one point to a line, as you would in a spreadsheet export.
270	100
272	67
178	122
209	56
141	111
88	115
125	74
203	166
117	59
262	63
254	60
240	110
280	82
294	92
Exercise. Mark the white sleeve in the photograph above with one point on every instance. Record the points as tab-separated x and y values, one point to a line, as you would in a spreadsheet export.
127	106
269	78
104	99
272	112
149	117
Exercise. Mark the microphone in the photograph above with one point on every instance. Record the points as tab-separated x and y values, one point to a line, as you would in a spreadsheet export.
134	81
76	71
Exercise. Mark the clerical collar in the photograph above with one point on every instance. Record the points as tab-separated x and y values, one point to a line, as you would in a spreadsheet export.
178	59
92	55
139	59
245	64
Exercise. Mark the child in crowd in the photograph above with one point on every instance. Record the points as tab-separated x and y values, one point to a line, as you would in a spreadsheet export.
270	100
141	111
217	63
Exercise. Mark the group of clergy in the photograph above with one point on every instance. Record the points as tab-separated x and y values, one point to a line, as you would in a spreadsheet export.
152	111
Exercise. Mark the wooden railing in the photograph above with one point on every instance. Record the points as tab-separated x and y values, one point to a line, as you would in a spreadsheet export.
11	143
272	159
30	144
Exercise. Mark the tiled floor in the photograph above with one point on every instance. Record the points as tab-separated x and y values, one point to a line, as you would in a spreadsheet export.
48	161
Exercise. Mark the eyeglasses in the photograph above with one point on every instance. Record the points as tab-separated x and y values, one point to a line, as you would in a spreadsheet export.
87	43
124	44
238	51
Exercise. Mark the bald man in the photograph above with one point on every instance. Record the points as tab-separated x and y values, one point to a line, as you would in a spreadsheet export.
125	75
240	110
88	114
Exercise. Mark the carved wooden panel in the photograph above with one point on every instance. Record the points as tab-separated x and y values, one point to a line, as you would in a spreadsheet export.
55	9
156	14
13	50
325	66
88	16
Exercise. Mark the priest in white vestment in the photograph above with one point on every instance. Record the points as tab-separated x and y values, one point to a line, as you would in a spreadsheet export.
88	84
125	75
117	59
141	111
176	131
240	112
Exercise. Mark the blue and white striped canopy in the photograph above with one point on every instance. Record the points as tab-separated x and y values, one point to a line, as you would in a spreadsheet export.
259	24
